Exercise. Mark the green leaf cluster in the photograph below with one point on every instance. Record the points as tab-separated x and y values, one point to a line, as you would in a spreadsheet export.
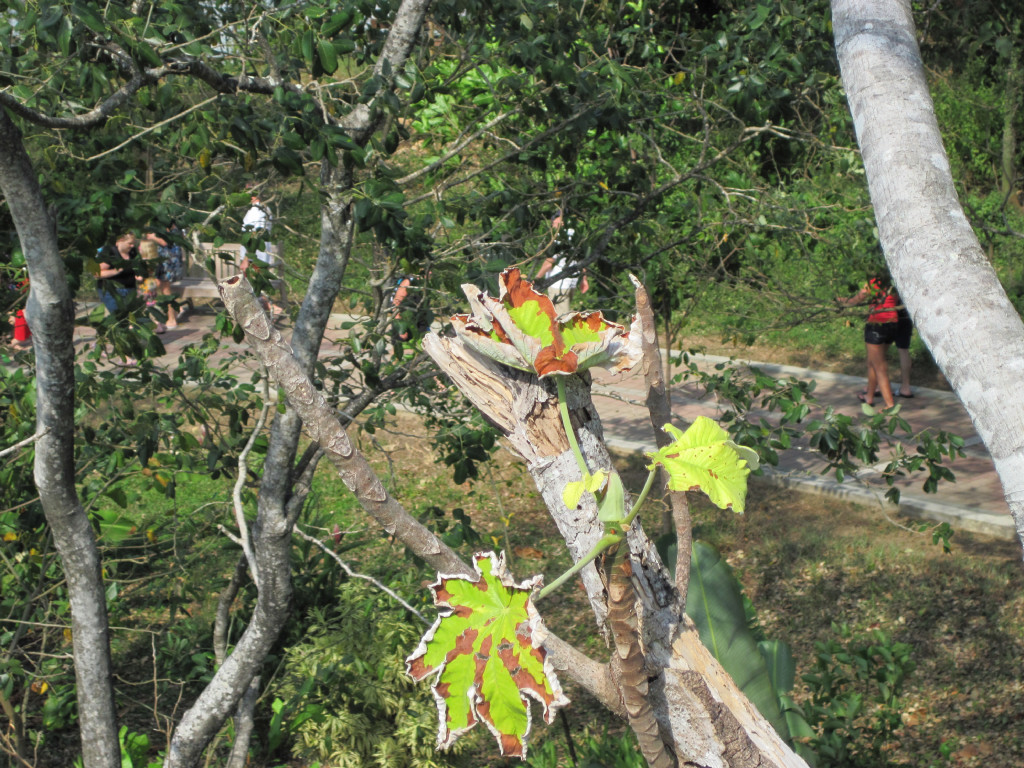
345	697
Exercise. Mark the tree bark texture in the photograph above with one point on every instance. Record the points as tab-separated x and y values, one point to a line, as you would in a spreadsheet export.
50	314
952	292
701	714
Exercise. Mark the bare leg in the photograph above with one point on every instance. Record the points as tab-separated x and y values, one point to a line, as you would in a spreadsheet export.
904	371
878	370
869	393
172	316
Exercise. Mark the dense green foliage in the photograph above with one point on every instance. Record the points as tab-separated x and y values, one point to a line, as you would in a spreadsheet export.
344	694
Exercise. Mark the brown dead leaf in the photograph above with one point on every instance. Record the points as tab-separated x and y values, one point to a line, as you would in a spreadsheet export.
969	751
530	553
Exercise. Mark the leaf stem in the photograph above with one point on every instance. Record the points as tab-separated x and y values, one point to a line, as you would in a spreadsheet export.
563	410
639	500
606	541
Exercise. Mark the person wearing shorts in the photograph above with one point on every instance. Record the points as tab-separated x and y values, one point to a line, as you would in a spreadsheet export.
888	323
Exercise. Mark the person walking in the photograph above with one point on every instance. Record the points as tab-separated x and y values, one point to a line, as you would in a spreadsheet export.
885	326
904	331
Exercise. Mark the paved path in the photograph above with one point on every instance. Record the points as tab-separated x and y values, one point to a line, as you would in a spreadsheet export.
973	503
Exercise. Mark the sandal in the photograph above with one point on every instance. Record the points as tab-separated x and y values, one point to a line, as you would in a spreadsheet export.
899	393
863	397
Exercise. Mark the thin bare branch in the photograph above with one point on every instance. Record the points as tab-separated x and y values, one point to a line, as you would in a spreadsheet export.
458	146
152	128
23	443
243	468
356	575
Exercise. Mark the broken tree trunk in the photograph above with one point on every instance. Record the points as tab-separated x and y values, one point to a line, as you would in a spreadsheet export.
702	717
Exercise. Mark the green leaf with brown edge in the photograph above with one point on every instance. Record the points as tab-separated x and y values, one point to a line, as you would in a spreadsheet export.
487	656
520	329
704	459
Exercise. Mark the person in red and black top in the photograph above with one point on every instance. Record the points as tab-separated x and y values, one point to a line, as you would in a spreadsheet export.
888	323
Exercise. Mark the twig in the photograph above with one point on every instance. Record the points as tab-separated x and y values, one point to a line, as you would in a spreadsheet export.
235	539
12	750
236	494
23	443
344	566
151	128
17	728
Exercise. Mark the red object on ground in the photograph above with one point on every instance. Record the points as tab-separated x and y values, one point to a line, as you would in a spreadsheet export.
21	329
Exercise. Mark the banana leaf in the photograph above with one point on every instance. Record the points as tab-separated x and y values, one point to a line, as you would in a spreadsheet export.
715	603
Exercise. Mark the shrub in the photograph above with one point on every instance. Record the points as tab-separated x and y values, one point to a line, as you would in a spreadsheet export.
345	697
854	706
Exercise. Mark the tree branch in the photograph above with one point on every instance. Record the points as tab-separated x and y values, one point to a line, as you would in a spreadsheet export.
22	443
660	411
236	492
50	312
355	575
322	425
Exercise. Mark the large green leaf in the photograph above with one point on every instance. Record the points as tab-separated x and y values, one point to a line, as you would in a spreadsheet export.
704	459
486	654
715	604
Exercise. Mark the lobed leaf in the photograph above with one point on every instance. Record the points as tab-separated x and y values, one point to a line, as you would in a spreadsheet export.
704	459
521	329
574	490
487	656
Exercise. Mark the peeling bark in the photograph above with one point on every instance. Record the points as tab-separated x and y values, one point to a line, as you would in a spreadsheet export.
628	661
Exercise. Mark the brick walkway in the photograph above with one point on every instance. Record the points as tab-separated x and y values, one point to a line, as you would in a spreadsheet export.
973	503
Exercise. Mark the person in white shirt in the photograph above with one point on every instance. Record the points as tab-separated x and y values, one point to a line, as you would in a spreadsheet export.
258	219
